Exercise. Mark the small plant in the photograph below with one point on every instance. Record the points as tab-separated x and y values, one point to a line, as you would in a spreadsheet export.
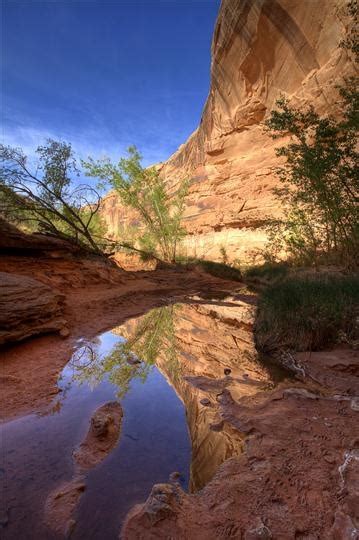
224	255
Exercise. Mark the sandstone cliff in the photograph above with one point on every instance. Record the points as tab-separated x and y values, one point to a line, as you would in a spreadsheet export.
260	49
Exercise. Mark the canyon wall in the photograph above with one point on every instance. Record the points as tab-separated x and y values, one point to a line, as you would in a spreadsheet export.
260	50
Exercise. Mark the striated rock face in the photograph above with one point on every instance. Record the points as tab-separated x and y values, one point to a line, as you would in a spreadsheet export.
27	308
260	49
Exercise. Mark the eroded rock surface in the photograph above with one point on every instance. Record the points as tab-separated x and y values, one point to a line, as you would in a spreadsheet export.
296	478
260	49
61	504
101	438
27	308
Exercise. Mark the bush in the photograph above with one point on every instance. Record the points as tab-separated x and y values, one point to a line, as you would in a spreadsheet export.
267	272
307	312
320	181
216	269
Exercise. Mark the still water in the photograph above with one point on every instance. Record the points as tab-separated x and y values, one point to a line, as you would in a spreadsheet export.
158	367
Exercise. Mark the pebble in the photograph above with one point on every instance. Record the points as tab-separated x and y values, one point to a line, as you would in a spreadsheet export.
64	332
175	476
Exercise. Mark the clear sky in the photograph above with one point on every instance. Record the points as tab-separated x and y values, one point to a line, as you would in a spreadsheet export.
105	74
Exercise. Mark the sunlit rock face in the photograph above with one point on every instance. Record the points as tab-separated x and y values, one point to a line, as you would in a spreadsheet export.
204	347
260	50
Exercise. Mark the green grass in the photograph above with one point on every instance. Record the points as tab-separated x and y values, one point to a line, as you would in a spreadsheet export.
307	312
217	269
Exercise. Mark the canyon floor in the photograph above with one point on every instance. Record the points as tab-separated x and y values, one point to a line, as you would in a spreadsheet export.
272	452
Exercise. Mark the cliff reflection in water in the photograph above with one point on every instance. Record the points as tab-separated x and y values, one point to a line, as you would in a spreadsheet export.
201	347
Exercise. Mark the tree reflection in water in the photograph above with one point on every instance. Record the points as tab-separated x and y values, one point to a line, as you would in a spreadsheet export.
153	335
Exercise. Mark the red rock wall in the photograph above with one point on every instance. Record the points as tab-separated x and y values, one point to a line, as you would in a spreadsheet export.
260	49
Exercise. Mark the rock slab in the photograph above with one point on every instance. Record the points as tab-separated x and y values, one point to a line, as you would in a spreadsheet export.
27	308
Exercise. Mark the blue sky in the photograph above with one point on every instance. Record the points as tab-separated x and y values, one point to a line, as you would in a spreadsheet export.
105	74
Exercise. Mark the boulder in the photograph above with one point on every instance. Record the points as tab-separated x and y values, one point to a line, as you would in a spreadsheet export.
27	308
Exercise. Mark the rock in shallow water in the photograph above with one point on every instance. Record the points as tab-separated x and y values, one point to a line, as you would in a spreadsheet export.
101	438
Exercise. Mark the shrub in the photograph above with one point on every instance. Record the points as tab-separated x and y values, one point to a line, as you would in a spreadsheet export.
320	180
216	269
307	312
267	272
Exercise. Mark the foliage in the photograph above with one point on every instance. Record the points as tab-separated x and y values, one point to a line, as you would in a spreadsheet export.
144	191
153	337
217	269
268	272
47	199
307	312
351	42
224	255
320	181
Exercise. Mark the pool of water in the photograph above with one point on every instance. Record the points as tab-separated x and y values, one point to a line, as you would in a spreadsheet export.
154	442
143	364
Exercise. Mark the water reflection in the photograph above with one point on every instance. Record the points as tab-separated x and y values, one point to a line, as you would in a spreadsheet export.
200	347
132	358
166	367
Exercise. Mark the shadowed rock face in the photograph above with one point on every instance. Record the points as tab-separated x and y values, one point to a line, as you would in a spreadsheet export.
27	308
260	49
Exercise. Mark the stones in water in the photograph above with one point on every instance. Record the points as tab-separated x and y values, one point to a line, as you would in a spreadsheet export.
101	438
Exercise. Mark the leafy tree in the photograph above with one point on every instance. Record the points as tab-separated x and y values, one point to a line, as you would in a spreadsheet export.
144	190
320	179
47	199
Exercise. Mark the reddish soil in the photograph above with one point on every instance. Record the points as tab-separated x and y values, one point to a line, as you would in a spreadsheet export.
297	477
98	297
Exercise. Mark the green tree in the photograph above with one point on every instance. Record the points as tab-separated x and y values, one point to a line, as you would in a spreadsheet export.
46	198
144	190
320	179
